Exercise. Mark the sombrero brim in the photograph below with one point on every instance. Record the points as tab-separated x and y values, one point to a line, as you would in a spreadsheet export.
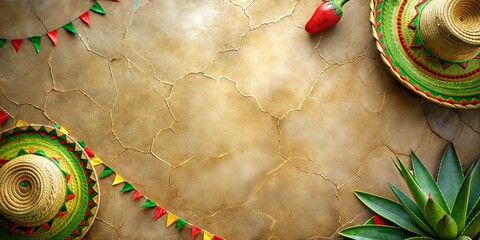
455	85
80	209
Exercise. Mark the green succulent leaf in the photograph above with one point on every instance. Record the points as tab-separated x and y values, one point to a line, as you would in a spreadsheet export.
450	175
433	212
369	221
418	195
390	210
474	211
474	187
412	209
420	238
463	238
375	232
446	228
473	227
459	211
427	183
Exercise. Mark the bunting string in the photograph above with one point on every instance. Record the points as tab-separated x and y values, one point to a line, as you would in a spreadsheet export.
128	187
53	34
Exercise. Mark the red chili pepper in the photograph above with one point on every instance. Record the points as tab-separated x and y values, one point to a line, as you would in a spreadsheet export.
326	16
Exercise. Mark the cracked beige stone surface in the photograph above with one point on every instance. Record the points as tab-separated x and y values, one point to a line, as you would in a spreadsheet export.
225	112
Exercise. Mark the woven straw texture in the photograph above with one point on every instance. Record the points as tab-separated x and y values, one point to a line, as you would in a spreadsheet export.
451	29
32	190
72	160
395	26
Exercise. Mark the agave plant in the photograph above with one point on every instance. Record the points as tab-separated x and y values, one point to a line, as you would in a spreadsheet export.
448	208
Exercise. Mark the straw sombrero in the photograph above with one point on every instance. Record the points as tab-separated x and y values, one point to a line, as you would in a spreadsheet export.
432	47
48	187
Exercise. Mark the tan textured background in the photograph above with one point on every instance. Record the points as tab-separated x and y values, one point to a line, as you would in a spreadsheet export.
225	112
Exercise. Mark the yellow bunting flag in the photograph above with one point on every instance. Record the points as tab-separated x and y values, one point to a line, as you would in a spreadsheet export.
96	161
118	179
207	235
21	123
171	218
63	130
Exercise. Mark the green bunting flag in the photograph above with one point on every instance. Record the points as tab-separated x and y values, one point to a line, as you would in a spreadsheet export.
69	27
2	42
127	187
181	223
36	42
106	172
149	204
97	8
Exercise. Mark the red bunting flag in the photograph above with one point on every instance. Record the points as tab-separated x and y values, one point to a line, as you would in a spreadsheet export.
195	231
137	194
86	18
3	117
17	42
379	220
89	152
159	211
217	238
53	36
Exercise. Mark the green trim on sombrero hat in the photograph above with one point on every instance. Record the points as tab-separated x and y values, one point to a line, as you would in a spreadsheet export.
80	207
395	26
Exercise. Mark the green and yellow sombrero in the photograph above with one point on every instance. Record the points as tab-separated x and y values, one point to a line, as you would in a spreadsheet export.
48	187
432	47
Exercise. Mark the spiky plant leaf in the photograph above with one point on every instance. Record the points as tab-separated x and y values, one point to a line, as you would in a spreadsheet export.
473	227
433	212
459	211
420	238
474	187
390	210
463	238
427	183
412	209
375	232
450	175
474	211
446	228
418	195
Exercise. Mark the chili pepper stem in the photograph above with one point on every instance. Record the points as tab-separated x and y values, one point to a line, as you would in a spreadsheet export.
340	2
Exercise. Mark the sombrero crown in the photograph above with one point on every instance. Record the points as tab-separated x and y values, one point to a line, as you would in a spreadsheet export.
432	47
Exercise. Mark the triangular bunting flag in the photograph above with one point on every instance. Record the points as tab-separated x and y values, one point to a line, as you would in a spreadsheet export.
63	130
2	42
36	40
17	43
207	235
118	179
96	161
106	172
149	204
180	224
21	123
127	187
137	194
3	117
217	238
171	218
195	231
89	152
86	18
69	27
53	36
97	8
159	211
